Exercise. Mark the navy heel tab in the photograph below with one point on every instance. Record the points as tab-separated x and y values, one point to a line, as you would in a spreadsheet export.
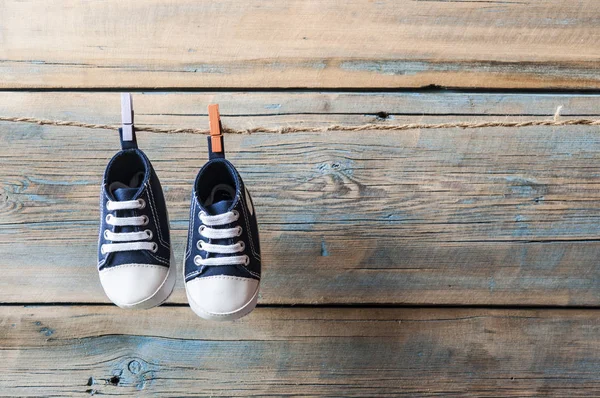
131	144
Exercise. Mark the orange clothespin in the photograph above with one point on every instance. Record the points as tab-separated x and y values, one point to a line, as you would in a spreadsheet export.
216	133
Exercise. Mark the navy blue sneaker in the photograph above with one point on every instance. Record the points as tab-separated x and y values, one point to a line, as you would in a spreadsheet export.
135	258
222	260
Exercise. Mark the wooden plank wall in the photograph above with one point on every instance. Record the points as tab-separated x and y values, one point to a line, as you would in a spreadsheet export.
299	43
426	262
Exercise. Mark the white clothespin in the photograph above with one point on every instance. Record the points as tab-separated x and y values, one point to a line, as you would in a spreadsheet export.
127	116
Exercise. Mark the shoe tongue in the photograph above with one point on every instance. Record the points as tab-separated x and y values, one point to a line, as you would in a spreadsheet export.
123	194
220	207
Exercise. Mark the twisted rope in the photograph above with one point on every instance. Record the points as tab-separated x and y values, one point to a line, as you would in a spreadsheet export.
336	127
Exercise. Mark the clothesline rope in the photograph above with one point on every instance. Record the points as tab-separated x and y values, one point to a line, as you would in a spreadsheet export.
336	127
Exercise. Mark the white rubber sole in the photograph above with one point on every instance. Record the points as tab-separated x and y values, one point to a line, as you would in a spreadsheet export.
227	316
161	294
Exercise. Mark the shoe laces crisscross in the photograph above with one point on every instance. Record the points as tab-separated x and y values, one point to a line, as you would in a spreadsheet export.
127	241
207	231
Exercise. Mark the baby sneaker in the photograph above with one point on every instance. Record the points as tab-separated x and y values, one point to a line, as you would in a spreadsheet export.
222	260
135	258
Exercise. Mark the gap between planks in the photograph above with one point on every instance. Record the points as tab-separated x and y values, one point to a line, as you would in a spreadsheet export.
338	306
428	89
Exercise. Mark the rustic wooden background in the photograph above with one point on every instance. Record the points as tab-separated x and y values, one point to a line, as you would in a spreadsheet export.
424	263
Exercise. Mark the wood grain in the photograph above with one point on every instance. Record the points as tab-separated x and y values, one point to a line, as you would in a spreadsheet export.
298	43
168	351
490	216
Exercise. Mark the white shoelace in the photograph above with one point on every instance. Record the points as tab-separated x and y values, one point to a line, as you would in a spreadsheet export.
128	240
221	233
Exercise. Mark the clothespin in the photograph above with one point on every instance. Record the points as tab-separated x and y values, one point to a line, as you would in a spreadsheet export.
127	116
128	139
215	141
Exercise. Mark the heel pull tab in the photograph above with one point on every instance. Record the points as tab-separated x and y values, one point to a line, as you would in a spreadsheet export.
215	140
127	130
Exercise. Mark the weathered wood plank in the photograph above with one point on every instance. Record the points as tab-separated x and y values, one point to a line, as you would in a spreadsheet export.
491	216
298	43
168	351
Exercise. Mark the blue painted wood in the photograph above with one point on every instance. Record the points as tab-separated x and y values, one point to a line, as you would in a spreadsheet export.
490	216
92	350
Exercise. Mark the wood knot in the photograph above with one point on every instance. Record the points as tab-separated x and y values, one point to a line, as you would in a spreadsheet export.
134	367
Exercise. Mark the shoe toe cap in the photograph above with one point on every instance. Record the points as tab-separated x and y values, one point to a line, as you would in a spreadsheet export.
223	294
131	284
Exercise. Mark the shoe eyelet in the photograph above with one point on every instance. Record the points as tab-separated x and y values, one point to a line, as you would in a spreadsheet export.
146	220
197	260
102	250
199	245
201	228
240	230
108	218
142	203
109	205
201	214
149	233
106	234
154	247
236	214
242	245
247	261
